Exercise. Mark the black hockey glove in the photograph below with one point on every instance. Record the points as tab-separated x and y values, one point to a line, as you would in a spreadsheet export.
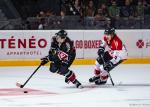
44	60
108	66
101	51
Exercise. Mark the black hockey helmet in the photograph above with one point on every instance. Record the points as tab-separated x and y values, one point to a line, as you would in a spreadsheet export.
61	33
109	31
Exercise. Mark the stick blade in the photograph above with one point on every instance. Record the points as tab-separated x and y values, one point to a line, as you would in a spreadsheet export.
19	85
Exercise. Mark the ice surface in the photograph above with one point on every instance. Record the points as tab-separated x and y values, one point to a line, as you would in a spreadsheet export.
45	89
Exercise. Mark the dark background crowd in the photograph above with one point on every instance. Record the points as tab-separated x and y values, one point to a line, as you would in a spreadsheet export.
74	14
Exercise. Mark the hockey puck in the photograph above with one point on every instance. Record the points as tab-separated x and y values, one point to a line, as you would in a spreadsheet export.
25	91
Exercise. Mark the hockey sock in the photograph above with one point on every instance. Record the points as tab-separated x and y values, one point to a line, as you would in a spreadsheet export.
71	76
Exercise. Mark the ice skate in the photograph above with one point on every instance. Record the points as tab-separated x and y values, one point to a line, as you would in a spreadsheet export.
93	79
77	84
67	81
100	82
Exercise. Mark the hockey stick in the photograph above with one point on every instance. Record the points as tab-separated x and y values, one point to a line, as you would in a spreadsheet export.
108	72
20	85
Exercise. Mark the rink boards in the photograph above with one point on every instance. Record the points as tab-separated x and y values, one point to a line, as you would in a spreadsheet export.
26	47
76	62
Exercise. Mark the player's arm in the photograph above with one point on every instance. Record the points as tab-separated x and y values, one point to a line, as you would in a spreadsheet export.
119	55
101	48
115	60
52	54
71	52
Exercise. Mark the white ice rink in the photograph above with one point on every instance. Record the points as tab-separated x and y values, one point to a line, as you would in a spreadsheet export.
132	88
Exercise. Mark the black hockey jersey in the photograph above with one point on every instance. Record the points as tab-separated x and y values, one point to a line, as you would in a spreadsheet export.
65	52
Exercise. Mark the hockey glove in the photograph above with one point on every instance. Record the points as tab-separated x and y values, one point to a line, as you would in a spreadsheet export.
101	51
108	66
44	60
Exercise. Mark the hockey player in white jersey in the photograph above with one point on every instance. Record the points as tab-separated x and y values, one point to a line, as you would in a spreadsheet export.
115	54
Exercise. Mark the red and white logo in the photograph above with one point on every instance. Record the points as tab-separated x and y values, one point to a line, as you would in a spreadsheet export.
62	55
140	43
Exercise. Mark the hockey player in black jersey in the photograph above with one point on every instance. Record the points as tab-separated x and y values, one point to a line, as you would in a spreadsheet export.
62	54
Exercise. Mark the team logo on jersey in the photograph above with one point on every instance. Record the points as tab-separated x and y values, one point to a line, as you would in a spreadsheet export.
140	43
62	55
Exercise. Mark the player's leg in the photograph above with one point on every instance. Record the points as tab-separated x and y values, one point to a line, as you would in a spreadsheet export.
54	68
104	74
98	67
63	70
97	72
100	75
69	76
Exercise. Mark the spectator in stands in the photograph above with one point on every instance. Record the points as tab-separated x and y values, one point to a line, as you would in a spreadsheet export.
90	9
99	15
89	13
102	13
99	19
114	10
114	13
41	14
78	6
41	25
104	10
62	21
72	7
140	9
129	13
49	13
127	10
62	13
108	23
